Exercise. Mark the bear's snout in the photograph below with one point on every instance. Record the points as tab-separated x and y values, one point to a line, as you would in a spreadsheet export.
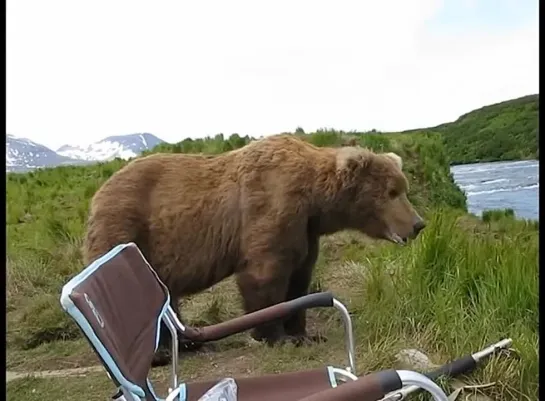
418	226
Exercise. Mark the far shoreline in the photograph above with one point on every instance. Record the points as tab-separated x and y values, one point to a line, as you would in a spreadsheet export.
491	160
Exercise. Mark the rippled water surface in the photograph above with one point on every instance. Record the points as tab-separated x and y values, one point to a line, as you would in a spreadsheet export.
501	185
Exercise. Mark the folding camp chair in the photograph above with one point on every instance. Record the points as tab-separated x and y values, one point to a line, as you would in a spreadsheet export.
118	301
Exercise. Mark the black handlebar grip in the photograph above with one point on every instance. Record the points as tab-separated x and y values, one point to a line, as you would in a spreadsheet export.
455	368
389	380
316	300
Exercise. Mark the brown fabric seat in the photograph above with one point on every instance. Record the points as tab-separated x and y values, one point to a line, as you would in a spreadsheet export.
118	302
292	386
311	385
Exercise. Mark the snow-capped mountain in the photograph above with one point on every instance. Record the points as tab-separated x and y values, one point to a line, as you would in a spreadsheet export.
122	146
23	155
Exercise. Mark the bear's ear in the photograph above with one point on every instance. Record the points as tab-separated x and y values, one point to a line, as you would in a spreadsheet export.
350	158
396	158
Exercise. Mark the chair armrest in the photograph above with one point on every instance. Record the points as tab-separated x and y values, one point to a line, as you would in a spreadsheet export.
254	319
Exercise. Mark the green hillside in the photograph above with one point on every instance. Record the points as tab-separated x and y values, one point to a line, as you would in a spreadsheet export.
501	131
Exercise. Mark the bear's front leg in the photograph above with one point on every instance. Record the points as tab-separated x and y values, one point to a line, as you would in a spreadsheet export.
299	285
295	325
264	284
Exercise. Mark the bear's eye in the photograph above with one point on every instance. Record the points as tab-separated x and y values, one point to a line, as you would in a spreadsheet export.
394	193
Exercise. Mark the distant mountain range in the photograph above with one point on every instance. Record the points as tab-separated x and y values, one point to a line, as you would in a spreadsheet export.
24	155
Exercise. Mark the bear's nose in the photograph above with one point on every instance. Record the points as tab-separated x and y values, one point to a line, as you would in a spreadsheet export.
418	226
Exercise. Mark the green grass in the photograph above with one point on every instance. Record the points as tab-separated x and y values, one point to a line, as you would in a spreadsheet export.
463	284
497	214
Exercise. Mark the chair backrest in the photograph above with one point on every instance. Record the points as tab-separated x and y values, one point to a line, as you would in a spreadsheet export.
118	302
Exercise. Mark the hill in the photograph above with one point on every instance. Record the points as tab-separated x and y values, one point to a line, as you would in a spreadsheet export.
498	132
462	285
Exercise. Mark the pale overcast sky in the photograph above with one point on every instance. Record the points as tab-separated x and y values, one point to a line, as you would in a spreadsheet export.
79	71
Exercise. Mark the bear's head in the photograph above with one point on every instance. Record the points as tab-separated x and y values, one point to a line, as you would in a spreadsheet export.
373	195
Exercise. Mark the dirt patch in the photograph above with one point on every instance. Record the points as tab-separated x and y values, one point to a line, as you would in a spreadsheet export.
54	373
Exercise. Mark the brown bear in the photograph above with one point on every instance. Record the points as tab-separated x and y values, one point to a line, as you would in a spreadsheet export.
257	212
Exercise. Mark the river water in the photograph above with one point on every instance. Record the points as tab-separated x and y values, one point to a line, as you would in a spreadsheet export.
501	185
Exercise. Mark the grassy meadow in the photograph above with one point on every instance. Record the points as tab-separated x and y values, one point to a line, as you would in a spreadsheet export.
463	284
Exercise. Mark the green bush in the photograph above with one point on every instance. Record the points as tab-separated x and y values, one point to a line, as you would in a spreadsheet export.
497	214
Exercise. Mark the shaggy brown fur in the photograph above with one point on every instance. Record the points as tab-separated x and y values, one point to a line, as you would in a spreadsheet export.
257	212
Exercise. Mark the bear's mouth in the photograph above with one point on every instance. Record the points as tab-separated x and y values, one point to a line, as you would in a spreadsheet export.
397	239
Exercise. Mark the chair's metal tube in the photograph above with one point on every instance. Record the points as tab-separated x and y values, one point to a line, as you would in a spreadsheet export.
173	395
503	344
174	325
344	374
174	335
348	333
409	377
174	319
477	357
